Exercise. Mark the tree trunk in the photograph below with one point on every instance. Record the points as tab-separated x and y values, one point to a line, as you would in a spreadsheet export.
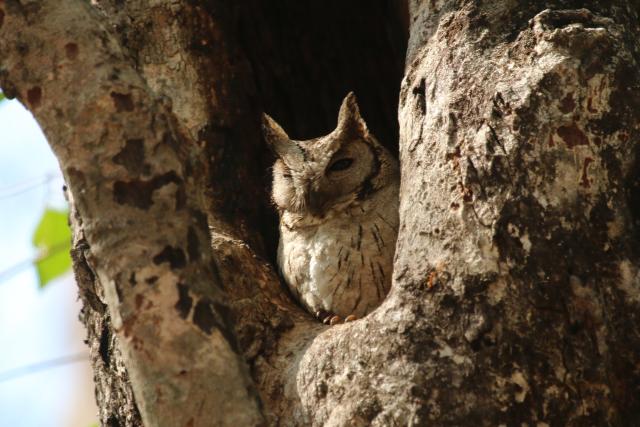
518	248
517	285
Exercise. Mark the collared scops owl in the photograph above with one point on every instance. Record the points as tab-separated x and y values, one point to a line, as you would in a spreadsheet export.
337	197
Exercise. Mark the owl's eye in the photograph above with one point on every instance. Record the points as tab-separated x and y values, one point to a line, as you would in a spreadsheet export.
286	175
340	165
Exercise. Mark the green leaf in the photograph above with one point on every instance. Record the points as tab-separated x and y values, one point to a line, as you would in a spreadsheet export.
2	97
53	238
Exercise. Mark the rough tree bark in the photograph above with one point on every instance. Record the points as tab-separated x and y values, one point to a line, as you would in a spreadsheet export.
517	285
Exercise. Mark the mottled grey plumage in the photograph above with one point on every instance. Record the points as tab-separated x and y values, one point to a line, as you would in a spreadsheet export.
338	202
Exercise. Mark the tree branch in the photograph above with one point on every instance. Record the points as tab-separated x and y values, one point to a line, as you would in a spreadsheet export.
126	163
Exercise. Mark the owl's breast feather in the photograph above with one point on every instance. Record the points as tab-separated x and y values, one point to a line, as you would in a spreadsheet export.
308	258
343	265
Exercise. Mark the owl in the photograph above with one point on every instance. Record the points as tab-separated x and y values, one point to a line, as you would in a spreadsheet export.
337	198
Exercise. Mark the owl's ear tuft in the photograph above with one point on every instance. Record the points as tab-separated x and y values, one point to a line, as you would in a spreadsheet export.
277	139
350	123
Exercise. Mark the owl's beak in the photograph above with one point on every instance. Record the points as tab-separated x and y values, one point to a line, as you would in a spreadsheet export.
316	202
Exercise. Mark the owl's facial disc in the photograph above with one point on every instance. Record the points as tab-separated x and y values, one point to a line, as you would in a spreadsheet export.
324	174
335	182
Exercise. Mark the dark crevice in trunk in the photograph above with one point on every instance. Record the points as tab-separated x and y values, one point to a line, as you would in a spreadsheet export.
305	57
633	199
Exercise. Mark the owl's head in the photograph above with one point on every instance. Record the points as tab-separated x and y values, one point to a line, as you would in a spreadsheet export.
331	172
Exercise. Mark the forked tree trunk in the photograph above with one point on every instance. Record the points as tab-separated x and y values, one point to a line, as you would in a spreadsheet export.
516	294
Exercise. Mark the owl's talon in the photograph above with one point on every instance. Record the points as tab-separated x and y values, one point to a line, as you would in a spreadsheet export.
327	320
335	320
322	314
350	318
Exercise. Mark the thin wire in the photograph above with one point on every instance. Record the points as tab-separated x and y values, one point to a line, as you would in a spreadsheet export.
23	187
42	366
16	268
24	264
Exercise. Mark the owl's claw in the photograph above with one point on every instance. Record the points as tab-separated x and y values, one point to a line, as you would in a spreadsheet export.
330	318
335	320
324	316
